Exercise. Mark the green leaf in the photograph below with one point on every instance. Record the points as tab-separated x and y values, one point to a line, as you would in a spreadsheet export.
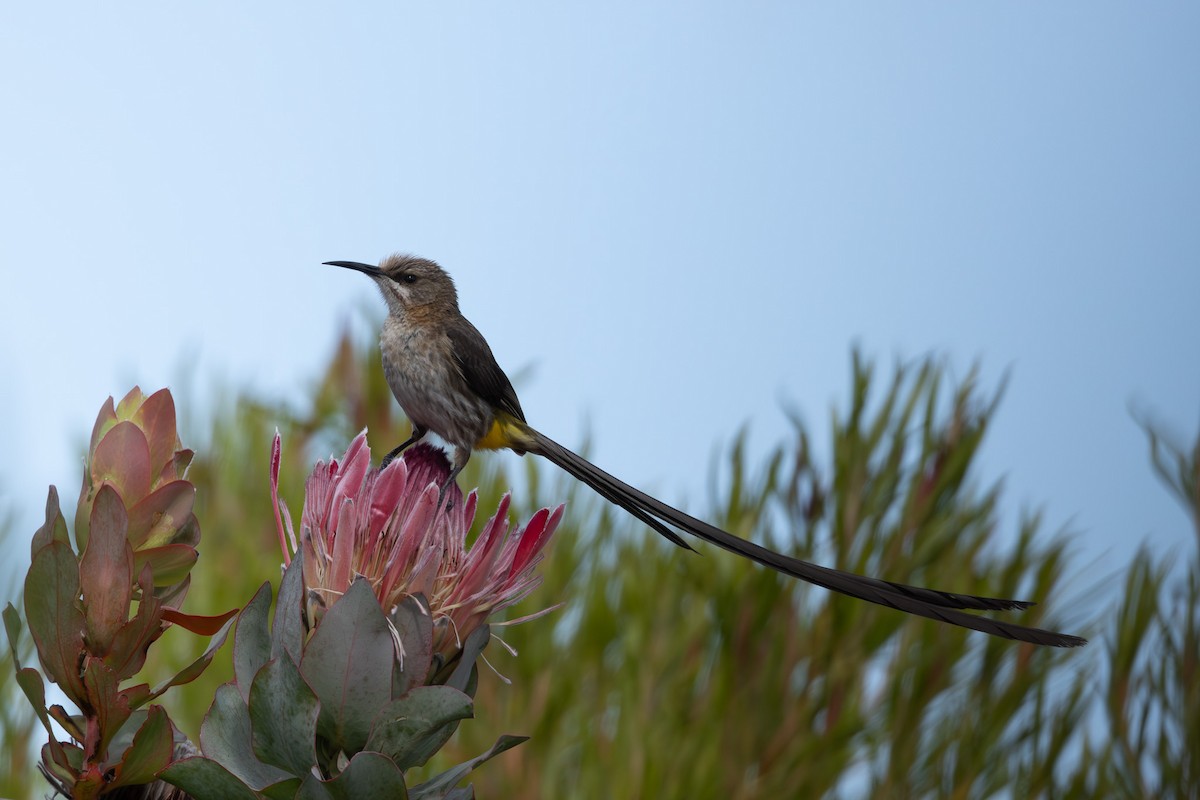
181	460
128	405
348	663
106	571
413	728
203	777
414	624
283	717
55	620
193	670
123	739
313	788
252	642
55	527
31	683
461	677
287	632
437	788
13	628
284	790
150	751
368	775
225	737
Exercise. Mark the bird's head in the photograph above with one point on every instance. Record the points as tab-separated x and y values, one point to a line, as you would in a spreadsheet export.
408	282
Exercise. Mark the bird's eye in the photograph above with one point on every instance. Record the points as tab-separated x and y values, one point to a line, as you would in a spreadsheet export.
408	277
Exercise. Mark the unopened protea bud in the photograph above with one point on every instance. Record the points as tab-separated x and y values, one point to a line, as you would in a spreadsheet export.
135	449
136	539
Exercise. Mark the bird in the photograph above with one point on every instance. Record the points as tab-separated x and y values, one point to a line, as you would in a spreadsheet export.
446	379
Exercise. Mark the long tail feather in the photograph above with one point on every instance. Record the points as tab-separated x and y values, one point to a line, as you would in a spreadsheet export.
930	603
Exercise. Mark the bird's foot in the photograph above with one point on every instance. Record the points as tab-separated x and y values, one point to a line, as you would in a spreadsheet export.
442	495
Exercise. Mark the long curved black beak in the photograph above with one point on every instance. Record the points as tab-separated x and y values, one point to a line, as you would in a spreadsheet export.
367	268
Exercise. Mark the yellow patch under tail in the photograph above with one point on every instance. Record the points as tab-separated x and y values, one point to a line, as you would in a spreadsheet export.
506	432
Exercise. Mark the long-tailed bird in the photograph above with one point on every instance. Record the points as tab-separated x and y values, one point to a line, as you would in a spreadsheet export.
446	379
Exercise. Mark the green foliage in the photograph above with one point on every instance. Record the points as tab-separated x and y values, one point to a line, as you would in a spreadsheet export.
1151	698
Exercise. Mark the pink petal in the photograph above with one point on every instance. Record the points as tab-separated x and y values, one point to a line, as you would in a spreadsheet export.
354	467
528	539
533	539
387	493
343	549
487	547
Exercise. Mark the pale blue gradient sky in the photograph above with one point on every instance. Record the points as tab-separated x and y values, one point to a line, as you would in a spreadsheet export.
680	215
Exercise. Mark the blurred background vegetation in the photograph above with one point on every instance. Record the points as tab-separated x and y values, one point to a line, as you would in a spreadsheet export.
667	674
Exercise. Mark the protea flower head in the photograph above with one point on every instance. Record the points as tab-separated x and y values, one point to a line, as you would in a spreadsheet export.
386	525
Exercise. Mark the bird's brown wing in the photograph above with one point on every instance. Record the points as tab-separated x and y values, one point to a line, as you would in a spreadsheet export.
480	370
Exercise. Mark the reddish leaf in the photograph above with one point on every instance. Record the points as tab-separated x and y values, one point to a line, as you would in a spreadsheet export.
150	751
106	571
202	625
129	646
137	696
154	519
69	723
170	564
111	708
123	459
55	620
62	760
156	417
104	422
55	526
83	510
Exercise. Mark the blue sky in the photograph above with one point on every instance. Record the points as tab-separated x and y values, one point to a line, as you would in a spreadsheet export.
675	218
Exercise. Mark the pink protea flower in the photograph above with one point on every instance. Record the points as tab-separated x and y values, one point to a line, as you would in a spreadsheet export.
385	525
